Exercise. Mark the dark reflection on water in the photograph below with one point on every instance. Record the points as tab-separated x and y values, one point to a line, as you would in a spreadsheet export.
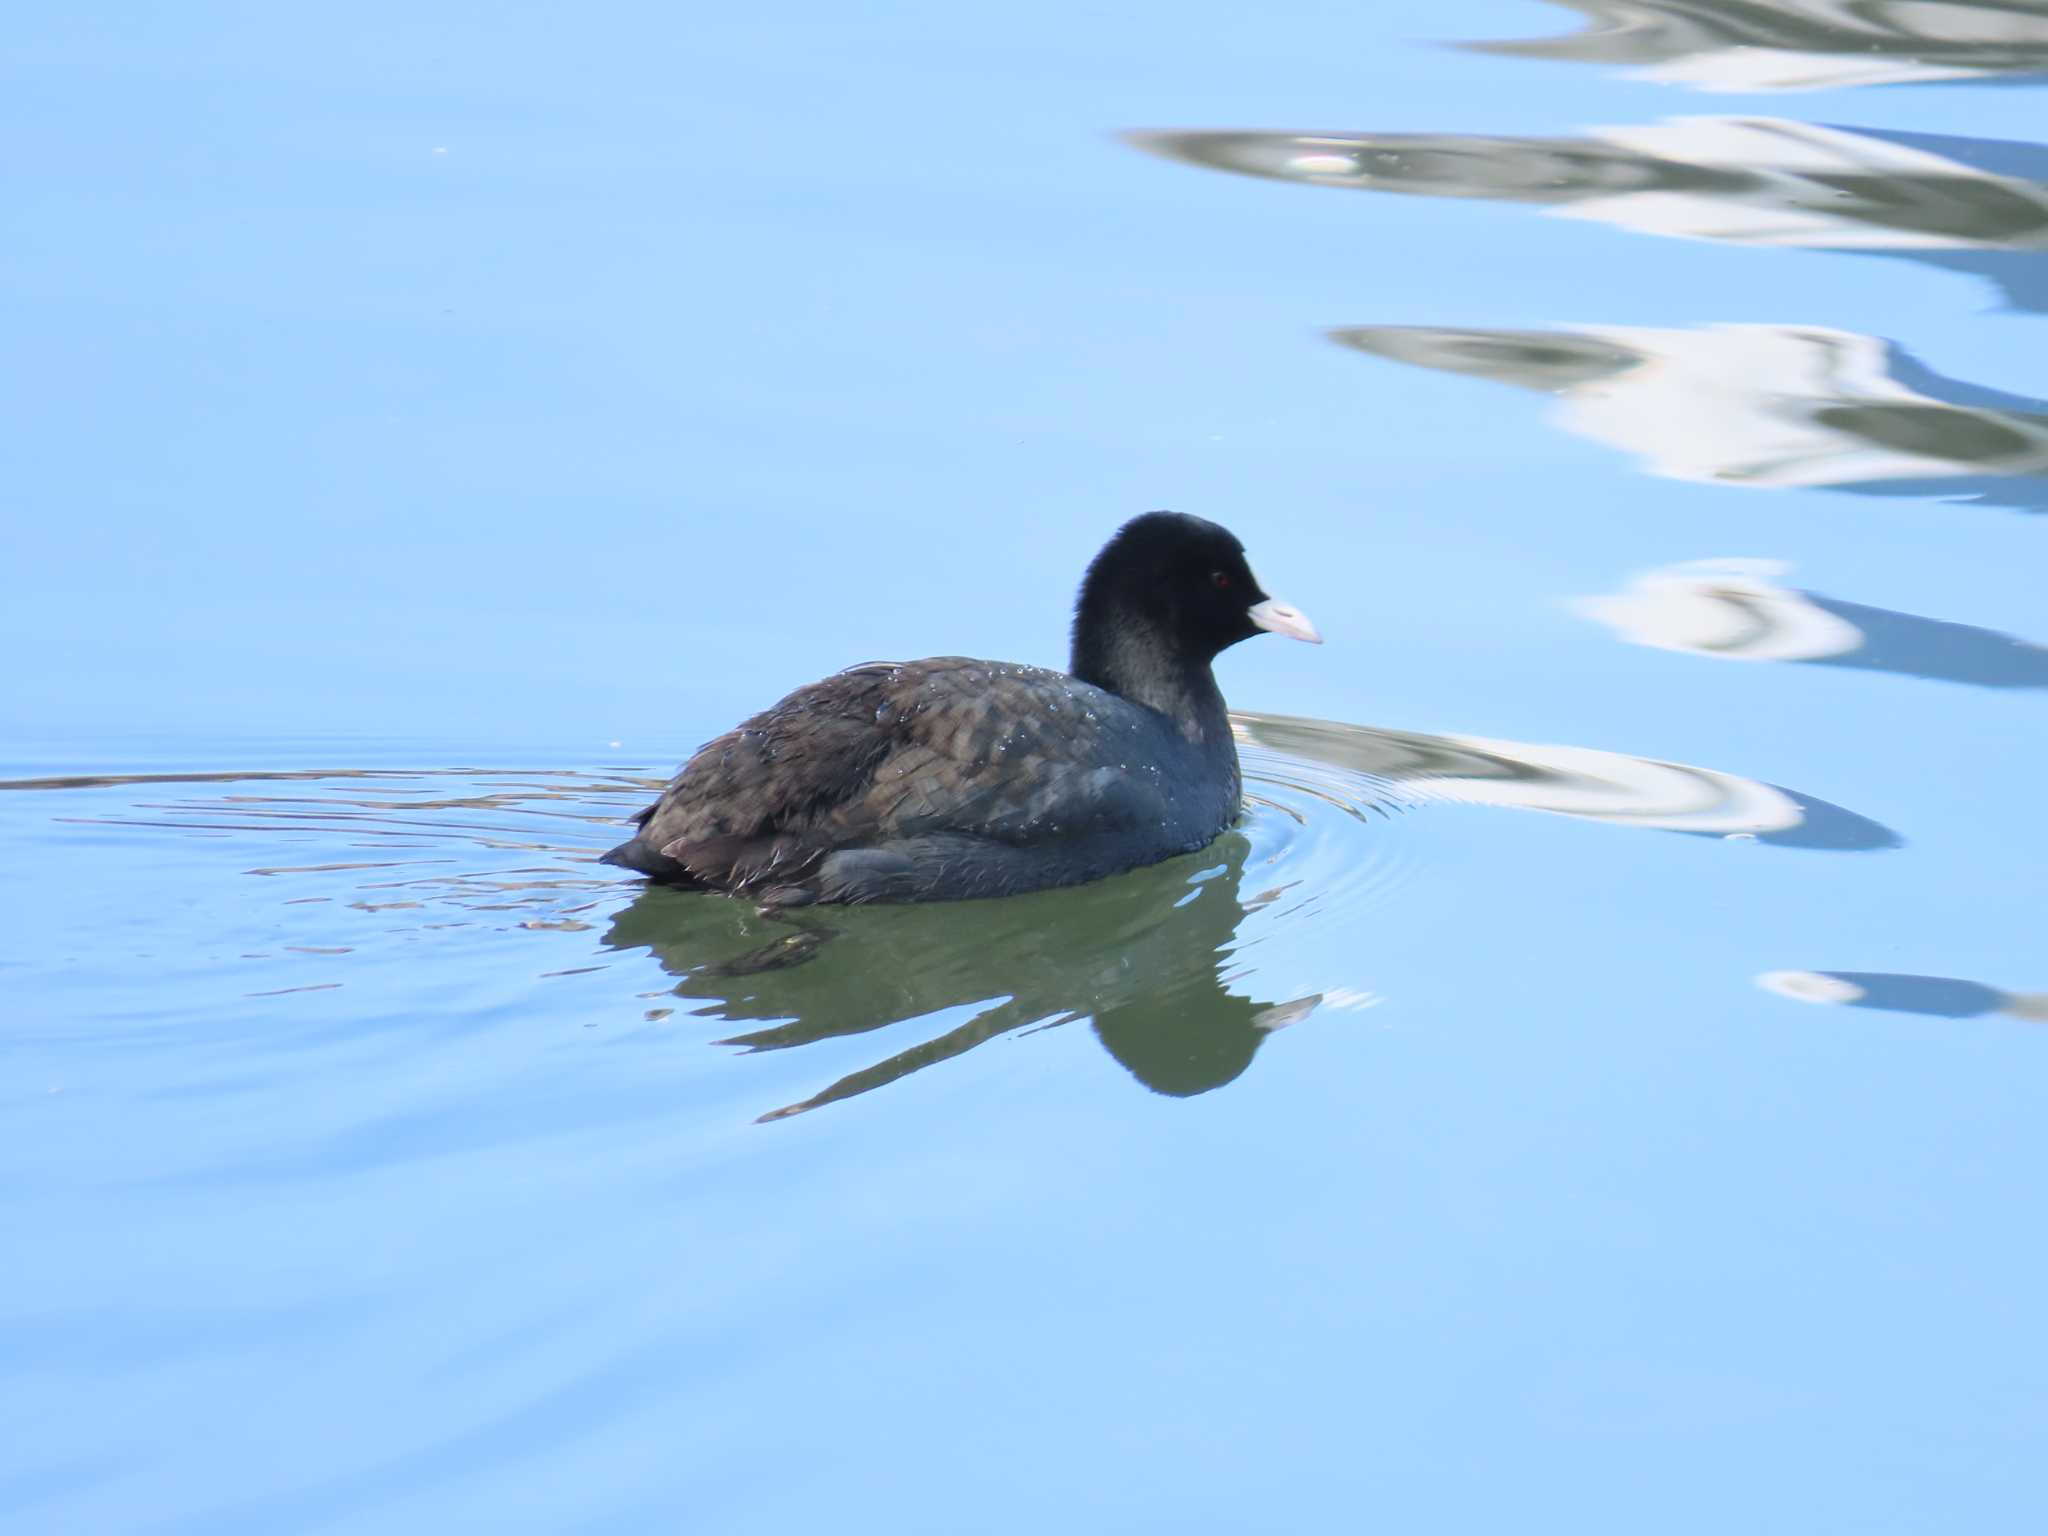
1793	45
1159	962
1942	997
1146	958
1935	648
1735	611
1971	205
1758	406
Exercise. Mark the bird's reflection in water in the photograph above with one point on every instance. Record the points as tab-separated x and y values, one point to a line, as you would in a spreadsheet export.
1939	997
1146	958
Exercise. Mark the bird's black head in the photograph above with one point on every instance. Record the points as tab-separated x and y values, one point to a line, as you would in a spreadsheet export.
1166	594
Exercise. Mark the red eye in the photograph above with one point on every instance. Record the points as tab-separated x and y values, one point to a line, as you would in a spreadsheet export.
1219	579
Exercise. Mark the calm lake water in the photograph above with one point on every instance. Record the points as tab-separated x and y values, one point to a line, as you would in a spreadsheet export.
1598	1087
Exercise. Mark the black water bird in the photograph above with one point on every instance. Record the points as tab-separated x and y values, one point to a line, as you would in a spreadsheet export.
948	778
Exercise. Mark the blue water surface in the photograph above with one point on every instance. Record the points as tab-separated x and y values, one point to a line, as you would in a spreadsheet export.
1596	1090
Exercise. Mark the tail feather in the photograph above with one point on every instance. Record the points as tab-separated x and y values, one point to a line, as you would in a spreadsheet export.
643	860
642	857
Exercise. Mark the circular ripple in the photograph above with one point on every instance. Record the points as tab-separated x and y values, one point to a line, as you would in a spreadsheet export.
1325	839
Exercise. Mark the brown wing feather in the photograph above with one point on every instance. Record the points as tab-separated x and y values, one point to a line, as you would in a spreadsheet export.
728	814
883	752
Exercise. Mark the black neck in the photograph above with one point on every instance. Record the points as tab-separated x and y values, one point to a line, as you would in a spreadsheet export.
1136	662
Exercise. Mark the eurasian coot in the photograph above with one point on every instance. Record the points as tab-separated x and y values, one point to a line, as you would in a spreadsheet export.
948	778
